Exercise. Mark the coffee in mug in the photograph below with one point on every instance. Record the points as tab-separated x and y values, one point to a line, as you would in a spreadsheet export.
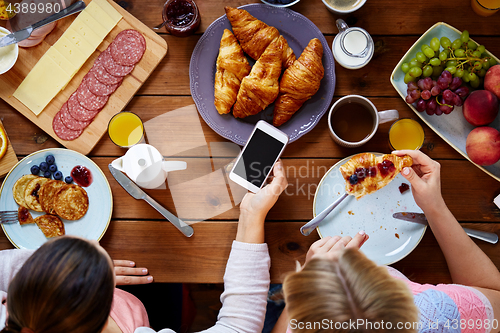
344	5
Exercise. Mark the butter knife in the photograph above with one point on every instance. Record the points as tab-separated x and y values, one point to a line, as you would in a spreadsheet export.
420	218
25	33
138	194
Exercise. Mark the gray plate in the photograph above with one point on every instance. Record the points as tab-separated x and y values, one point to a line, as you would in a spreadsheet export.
298	31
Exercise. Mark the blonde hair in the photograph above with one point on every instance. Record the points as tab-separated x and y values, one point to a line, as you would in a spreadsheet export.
329	293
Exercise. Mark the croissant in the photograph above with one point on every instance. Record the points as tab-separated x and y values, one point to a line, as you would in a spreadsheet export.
299	82
232	67
255	36
261	87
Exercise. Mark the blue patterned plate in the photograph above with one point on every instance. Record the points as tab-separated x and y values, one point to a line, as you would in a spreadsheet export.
91	226
298	31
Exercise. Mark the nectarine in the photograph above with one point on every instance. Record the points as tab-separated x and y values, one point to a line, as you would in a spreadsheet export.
483	145
492	80
480	108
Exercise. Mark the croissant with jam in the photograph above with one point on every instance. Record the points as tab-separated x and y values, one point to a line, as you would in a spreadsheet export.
255	36
232	67
366	173
261	87
299	82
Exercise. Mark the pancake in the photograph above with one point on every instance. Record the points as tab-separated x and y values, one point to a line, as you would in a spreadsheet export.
31	193
50	225
47	193
71	202
19	187
24	216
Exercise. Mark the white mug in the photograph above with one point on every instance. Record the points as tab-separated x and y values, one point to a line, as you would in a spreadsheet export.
378	118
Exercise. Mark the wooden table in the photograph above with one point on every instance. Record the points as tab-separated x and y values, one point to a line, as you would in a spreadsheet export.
138	232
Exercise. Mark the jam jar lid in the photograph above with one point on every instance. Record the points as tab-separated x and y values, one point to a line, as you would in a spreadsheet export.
182	16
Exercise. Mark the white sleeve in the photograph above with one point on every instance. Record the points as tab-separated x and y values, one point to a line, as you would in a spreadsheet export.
246	284
10	262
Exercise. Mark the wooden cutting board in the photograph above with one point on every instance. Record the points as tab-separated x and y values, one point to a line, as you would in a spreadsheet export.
156	49
8	161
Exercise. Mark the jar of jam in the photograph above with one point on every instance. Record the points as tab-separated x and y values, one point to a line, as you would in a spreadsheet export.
182	17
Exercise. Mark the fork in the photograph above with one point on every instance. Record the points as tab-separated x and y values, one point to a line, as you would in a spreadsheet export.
8	217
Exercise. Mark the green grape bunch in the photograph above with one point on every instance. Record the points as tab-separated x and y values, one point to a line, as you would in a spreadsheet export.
463	58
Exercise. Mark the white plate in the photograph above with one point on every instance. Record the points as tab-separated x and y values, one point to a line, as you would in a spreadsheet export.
92	226
452	128
373	214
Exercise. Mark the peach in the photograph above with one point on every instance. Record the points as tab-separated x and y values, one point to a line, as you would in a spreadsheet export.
480	108
492	80
483	145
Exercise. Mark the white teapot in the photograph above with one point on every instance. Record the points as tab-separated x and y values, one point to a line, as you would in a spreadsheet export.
144	164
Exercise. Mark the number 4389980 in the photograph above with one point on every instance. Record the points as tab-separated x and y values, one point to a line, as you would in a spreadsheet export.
32	8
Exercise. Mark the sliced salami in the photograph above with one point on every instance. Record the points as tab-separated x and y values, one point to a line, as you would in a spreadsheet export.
79	112
62	131
98	88
71	122
88	100
102	75
128	47
112	67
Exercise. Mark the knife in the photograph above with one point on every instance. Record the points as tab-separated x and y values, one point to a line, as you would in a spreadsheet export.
137	193
23	34
420	218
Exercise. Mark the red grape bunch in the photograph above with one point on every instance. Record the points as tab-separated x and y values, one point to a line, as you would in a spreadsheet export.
437	96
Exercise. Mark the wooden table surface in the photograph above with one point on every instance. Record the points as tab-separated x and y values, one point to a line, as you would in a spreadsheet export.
139	233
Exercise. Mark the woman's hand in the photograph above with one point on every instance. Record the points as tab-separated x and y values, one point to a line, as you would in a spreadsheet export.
331	247
259	204
255	206
126	273
425	179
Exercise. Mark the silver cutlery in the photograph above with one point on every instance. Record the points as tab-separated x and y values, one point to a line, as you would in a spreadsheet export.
139	194
311	225
420	218
25	33
8	217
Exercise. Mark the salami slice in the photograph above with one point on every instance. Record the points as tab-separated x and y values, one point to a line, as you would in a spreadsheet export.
98	88
128	47
62	131
71	122
79	112
88	100
112	67
102	75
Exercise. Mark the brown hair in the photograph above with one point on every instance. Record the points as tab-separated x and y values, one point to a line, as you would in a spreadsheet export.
328	294
67	285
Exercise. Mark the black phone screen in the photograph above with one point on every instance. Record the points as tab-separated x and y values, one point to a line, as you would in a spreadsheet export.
258	157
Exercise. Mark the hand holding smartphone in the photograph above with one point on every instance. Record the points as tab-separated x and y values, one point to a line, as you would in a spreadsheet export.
256	161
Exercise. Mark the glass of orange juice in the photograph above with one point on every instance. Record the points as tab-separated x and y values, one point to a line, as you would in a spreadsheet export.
406	133
485	7
126	129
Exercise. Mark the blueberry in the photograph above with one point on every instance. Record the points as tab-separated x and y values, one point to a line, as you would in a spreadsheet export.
53	168
353	179
68	179
50	159
47	174
44	166
35	170
58	175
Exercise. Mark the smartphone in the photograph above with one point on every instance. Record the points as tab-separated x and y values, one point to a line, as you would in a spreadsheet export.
256	161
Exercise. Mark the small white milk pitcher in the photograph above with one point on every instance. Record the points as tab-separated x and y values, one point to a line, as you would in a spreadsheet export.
145	165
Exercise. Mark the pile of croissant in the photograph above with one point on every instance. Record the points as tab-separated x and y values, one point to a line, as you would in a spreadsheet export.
249	90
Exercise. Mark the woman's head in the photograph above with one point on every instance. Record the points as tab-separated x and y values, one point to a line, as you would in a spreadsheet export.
65	286
351	289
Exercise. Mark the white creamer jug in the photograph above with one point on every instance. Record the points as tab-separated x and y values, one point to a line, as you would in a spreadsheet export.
144	164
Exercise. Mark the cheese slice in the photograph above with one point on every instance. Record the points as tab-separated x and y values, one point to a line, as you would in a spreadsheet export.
79	42
41	85
70	51
92	24
61	60
86	33
101	16
109	9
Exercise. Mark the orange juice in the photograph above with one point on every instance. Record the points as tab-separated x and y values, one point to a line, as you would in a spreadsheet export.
125	129
406	134
485	7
